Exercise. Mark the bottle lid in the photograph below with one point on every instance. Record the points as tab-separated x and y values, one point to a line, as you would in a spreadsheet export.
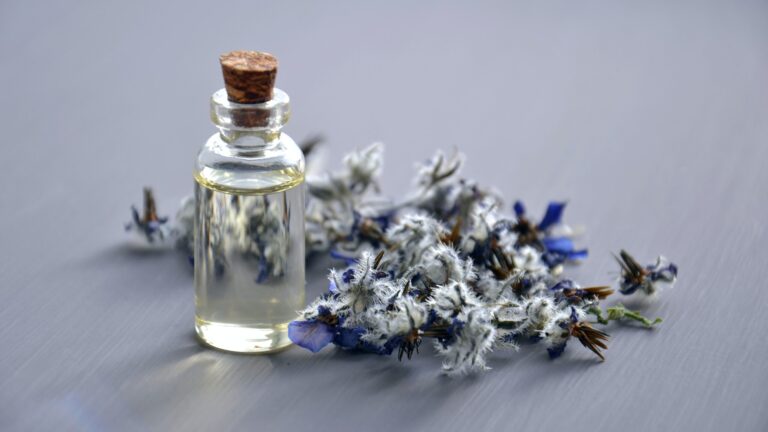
249	76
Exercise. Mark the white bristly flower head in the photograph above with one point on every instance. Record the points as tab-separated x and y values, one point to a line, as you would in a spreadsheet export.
441	263
529	259
537	314
411	237
363	166
329	304
474	335
404	316
365	290
450	299
488	286
555	333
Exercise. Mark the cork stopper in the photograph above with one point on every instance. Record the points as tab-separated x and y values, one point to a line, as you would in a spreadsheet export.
249	76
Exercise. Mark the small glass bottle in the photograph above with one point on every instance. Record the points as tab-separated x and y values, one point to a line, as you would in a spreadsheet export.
249	215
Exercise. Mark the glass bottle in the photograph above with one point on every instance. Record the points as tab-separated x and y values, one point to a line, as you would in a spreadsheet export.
249	227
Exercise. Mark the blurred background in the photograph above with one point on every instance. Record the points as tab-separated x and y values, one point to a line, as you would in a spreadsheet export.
648	117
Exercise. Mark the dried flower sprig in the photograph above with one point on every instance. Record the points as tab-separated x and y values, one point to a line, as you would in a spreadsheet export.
446	264
648	279
153	228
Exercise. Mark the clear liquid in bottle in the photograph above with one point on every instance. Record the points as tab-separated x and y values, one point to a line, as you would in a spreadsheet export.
249	265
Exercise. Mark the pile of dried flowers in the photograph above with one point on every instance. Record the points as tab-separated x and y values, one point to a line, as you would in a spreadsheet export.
447	264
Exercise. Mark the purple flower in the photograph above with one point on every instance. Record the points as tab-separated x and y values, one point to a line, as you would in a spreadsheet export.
558	250
556	351
348	337
332	286
552	216
348	260
555	250
348	276
312	334
634	276
150	224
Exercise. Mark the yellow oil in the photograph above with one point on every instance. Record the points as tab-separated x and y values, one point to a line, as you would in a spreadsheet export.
249	260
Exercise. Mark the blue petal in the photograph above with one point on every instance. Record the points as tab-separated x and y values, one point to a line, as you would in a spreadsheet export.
672	268
578	254
666	274
574	315
151	226
628	288
312	335
556	350
135	215
348	276
332	286
349	260
348	337
519	208
558	244
431	318
552	216
385	220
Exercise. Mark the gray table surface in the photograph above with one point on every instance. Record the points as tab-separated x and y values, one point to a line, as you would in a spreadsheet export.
649	117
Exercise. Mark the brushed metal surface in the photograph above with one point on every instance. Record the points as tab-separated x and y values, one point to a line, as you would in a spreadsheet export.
649	117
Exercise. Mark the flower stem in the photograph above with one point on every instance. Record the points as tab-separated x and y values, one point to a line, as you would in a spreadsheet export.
619	312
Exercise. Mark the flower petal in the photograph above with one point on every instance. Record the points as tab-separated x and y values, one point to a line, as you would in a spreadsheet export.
348	337
552	216
312	335
519	208
562	245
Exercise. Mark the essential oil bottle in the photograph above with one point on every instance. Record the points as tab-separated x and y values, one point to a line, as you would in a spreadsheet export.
249	215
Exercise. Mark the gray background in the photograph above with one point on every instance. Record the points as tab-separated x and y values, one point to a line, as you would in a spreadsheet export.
649	117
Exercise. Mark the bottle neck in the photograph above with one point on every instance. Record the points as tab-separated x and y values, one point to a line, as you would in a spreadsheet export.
250	126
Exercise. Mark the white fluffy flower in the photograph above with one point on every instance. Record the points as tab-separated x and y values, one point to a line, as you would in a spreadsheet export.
529	259
365	290
488	286
411	237
329	304
363	166
474	336
449	300
441	263
404	316
537	313
555	332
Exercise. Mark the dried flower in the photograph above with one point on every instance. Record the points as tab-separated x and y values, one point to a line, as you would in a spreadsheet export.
647	279
555	249
473	335
446	264
151	226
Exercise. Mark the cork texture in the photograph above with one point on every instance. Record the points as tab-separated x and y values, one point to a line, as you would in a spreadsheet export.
249	76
